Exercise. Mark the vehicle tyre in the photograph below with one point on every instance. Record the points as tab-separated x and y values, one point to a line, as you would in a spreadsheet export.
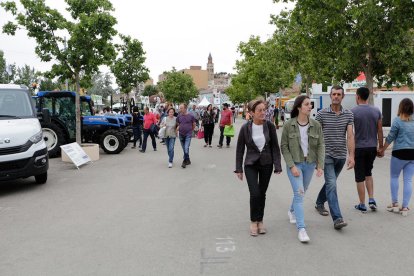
41	178
112	141
54	137
126	138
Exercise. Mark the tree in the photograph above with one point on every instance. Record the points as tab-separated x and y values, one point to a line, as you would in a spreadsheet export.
370	36
101	85
89	45
26	75
128	68
3	74
178	87
150	90
47	84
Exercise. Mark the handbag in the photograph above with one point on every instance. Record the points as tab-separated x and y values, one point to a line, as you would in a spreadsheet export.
161	132
228	131
200	134
154	129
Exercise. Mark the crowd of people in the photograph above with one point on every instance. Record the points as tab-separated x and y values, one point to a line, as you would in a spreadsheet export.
337	137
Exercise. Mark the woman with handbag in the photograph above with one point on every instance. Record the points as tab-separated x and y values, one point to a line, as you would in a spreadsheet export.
258	137
303	148
207	122
170	125
150	123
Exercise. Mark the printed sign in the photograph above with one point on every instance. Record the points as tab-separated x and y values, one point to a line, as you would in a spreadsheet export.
217	101
76	154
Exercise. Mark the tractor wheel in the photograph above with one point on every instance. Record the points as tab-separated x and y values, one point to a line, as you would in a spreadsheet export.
126	138
54	138
112	141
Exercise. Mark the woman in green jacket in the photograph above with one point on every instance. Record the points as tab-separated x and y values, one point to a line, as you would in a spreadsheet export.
303	150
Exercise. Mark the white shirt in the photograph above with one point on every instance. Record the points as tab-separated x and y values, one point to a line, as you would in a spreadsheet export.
304	142
258	136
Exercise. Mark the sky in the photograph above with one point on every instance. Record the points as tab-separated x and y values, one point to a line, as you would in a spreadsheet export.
176	33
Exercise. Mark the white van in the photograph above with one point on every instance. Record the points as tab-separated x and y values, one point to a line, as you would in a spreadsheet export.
23	151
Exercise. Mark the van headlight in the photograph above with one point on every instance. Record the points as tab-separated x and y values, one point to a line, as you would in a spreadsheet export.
37	137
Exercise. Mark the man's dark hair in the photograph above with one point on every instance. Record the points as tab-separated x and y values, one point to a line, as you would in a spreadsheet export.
226	104
338	87
363	93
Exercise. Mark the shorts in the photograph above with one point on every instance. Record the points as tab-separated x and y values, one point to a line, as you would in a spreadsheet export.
364	162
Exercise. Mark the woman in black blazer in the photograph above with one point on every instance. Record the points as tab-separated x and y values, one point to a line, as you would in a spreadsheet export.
263	157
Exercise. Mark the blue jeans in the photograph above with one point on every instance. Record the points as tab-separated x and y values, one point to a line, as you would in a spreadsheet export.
185	144
299	186
333	167
170	142
407	166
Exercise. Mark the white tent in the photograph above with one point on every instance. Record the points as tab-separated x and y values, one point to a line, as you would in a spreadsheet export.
204	102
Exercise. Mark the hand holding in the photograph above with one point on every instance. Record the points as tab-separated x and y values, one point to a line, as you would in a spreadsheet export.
240	176
350	163
319	172
295	171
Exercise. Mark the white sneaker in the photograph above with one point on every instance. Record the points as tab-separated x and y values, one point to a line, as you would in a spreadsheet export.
169	165
303	236
292	217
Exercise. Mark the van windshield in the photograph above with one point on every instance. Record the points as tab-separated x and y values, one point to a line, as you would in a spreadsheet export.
15	104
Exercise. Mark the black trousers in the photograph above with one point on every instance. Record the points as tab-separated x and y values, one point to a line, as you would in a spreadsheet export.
258	178
137	135
228	139
208	133
147	133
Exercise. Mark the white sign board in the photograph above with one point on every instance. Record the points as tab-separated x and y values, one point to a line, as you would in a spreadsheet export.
217	101
76	154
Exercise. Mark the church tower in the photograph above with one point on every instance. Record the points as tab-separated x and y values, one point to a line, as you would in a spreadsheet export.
210	70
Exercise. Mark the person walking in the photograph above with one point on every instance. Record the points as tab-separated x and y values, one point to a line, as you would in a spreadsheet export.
226	120
259	139
368	136
337	123
207	123
186	124
170	124
402	135
149	120
304	151
136	123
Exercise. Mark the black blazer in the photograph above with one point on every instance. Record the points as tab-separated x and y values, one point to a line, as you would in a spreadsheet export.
270	153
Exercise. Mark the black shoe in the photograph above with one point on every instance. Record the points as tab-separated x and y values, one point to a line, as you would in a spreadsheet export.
321	210
339	223
361	207
142	151
155	149
133	147
373	205
219	146
187	162
184	164
227	146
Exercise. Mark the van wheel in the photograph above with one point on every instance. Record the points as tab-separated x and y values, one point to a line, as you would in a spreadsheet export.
54	138
41	178
112	141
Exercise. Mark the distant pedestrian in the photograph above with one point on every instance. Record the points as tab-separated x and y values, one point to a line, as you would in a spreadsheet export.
226	120
269	113
337	123
259	139
233	112
196	114
149	121
282	115
207	123
170	124
217	111
368	142
304	151
137	121
276	116
402	135
186	124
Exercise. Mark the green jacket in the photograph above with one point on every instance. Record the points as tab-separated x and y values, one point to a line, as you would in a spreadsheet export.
290	145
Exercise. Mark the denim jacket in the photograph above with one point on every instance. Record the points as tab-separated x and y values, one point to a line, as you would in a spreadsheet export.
402	134
290	144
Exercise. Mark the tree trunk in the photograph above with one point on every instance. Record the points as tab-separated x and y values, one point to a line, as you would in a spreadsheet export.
369	78
77	109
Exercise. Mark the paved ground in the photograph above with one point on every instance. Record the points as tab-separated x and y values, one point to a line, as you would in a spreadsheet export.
129	214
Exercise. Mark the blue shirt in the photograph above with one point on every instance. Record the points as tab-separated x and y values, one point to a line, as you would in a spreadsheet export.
402	134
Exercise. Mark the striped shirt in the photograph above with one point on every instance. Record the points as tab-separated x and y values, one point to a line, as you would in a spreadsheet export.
334	130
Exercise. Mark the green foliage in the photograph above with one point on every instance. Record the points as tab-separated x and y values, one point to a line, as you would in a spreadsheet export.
101	85
150	90
49	85
349	37
26	75
178	87
129	68
3	74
